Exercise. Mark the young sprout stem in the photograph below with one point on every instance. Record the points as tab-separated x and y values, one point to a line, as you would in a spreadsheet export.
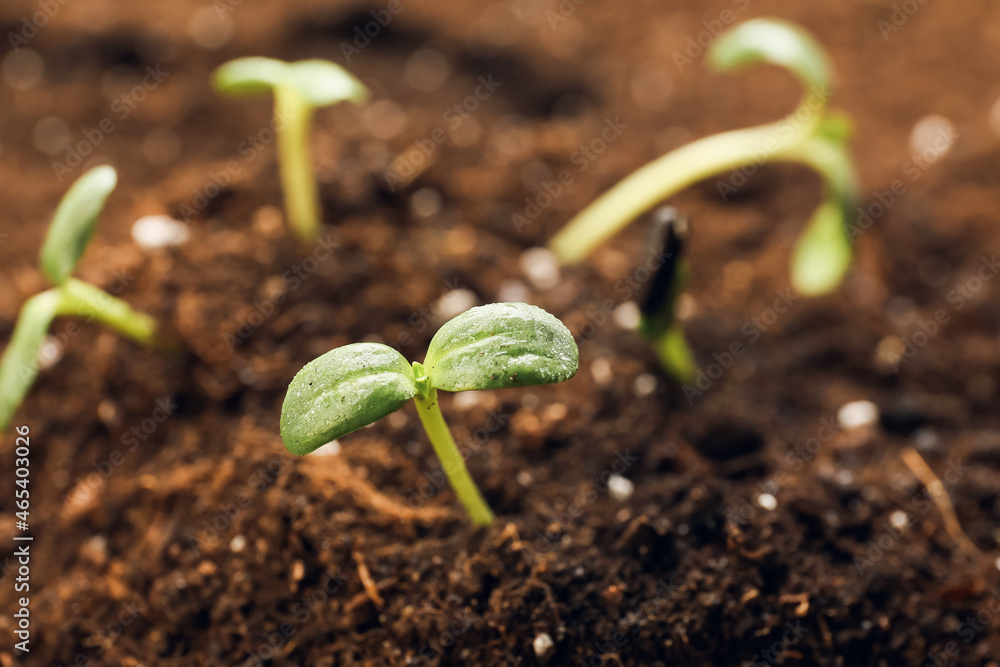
451	458
79	298
675	354
831	160
677	170
668	238
293	116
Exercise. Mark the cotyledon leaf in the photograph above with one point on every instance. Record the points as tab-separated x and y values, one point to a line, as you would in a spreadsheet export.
74	222
317	82
822	254
501	345
19	365
773	41
346	388
321	83
249	76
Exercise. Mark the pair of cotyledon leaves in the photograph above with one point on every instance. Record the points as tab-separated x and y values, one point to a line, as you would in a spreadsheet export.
773	41
489	347
823	252
816	138
71	229
74	222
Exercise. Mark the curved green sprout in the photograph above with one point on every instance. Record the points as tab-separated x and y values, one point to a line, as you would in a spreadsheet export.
298	89
811	136
71	229
488	347
658	323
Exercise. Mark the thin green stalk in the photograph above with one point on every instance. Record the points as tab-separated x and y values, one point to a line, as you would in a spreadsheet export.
675	353
831	160
19	365
85	300
451	458
293	116
673	172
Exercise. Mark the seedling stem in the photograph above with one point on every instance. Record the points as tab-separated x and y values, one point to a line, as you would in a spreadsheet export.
451	459
85	300
295	158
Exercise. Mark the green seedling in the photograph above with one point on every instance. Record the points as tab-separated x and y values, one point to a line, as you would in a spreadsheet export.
812	136
488	347
71	229
658	323
298	88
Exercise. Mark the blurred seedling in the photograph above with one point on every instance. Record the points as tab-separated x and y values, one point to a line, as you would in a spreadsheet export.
812	136
299	88
658	320
488	347
71	230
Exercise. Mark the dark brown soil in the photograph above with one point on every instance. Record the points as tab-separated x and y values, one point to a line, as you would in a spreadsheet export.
172	528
